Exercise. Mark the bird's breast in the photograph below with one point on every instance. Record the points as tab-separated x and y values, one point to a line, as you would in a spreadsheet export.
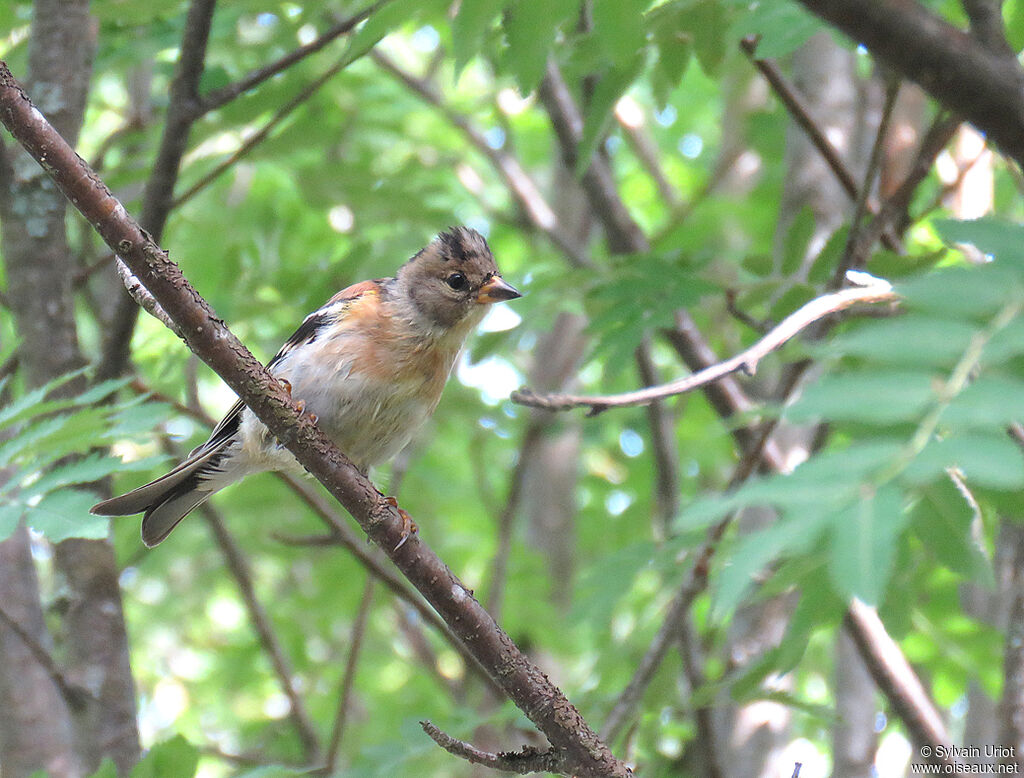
370	393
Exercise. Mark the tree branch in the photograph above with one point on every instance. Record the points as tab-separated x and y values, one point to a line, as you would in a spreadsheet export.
897	679
578	749
75	696
746	361
217	98
341	534
348	676
242	573
159	191
623	233
529	760
263	133
520	185
985	87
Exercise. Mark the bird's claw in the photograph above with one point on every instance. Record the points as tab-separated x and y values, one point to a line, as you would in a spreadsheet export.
287	385
408	525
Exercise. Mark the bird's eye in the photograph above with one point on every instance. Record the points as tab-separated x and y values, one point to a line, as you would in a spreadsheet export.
458	282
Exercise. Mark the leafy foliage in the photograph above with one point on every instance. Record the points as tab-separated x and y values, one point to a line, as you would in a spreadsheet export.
923	445
899	508
42	438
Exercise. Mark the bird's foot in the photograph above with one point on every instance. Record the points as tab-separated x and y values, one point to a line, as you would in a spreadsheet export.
287	385
408	525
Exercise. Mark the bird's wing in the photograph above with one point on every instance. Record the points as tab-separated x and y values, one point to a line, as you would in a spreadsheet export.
329	313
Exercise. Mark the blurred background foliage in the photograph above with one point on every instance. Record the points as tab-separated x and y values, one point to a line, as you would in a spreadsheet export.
362	174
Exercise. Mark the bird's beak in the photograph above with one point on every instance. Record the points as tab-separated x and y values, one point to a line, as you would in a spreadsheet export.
496	289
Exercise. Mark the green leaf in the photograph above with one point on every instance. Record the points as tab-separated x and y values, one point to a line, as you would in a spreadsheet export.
870	396
824	265
385	20
31	404
619	29
530	27
82	471
470	27
107	769
10	515
65	514
798	237
175	757
674	47
1003	239
600	110
791	300
1013	14
912	340
752	554
101	391
782	25
991	402
863	545
823	483
992	461
707	25
942	519
962	292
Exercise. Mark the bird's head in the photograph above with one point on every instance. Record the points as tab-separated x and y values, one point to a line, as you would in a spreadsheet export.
453	280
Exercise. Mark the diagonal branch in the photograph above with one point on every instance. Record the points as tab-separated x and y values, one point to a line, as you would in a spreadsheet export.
342	535
894	675
577	748
159	191
877	291
520	185
76	696
240	569
958	70
348	676
217	98
263	133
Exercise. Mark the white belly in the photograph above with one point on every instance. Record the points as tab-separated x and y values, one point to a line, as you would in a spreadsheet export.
369	420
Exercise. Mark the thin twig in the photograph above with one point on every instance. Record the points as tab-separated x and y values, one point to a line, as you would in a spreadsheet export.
621	229
870	174
260	619
529	760
340	535
77	697
348	676
262	134
801	114
217	98
664	448
747	361
499	564
694	582
646	151
344	536
142	297
521	186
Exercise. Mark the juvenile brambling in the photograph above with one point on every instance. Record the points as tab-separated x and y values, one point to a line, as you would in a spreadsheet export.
369	365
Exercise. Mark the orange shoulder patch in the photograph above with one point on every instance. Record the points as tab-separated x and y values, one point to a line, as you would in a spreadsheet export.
356	290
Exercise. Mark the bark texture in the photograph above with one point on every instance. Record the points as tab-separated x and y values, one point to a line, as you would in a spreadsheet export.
39	273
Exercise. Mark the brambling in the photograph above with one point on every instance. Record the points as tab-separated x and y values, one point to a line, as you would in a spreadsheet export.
369	366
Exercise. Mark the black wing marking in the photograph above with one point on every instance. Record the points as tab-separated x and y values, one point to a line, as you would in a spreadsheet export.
306	333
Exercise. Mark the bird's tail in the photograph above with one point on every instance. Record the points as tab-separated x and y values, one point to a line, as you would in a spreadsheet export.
170	498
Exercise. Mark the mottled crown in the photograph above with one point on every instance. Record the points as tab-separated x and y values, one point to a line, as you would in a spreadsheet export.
462	244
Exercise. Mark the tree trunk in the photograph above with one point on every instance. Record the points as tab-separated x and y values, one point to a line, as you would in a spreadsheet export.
39	272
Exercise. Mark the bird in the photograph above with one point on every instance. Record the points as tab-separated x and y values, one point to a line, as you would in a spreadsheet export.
368	366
